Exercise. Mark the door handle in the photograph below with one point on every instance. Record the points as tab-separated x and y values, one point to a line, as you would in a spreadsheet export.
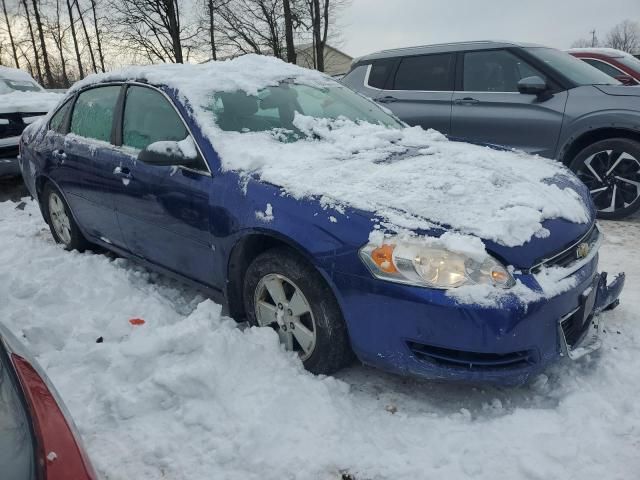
122	172
387	99
466	101
59	156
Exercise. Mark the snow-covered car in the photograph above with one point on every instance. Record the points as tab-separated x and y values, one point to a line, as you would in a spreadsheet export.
22	101
307	208
38	439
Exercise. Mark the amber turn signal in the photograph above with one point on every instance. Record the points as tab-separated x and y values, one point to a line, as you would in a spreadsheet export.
383	258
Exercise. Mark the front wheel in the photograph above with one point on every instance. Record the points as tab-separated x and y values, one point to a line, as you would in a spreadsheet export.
611	171
284	292
61	223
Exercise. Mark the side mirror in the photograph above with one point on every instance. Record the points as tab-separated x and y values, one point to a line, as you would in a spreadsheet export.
626	79
532	86
169	153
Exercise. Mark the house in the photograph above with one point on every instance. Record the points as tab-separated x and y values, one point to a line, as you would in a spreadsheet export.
335	61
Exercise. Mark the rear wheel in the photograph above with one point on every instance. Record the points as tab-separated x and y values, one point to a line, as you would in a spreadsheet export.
282	291
61	223
611	171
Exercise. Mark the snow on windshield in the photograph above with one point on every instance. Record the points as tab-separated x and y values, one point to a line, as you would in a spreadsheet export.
406	176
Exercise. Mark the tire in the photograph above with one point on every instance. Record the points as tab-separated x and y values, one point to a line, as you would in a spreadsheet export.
61	222
300	283
611	171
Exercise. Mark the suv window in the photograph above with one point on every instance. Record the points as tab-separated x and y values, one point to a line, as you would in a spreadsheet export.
93	112
57	121
495	71
148	118
379	73
604	67
428	72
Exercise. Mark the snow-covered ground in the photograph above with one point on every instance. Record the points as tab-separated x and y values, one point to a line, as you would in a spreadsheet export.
188	395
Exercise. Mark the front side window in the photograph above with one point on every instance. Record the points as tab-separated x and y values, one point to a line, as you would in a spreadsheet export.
276	107
93	112
149	118
495	71
604	67
427	73
57	121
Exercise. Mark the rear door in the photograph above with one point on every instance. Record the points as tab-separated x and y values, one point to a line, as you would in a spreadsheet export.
83	163
420	90
164	210
487	108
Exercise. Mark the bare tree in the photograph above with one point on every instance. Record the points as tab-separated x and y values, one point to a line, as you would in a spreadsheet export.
98	34
74	37
288	28
625	36
43	44
32	37
86	35
11	38
57	33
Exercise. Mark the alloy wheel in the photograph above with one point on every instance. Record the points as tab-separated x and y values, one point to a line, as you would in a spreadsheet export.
613	179
279	303
59	218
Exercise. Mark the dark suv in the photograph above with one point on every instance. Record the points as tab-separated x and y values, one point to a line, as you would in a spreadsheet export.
522	96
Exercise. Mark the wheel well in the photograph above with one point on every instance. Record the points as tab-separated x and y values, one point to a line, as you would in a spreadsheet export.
243	253
594	136
41	181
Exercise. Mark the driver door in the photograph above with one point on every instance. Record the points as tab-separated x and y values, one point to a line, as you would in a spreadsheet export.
164	211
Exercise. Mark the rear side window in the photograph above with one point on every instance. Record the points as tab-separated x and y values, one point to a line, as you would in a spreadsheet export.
428	72
148	118
17	459
495	71
57	122
93	112
604	67
379	73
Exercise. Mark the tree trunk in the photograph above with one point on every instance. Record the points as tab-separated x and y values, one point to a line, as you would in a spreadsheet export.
98	41
87	37
58	41
212	38
288	26
43	45
318	45
11	40
174	29
75	39
33	41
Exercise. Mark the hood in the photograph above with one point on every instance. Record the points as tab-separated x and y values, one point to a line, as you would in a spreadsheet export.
415	180
29	102
620	90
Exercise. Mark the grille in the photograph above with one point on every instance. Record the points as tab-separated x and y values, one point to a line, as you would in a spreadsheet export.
471	360
9	152
569	256
12	124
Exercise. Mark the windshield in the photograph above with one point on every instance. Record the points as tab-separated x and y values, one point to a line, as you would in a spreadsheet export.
577	71
274	108
7	86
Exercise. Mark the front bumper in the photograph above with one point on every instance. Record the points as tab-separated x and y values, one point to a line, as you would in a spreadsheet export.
423	332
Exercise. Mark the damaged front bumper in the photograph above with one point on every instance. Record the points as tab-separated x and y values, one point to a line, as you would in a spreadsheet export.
579	331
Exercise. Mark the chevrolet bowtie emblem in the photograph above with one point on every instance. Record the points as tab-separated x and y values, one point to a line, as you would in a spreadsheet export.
583	250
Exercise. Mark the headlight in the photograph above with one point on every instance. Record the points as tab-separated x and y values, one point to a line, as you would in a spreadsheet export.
411	263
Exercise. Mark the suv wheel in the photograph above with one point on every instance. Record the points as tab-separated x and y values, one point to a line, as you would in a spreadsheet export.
611	171
282	291
61	223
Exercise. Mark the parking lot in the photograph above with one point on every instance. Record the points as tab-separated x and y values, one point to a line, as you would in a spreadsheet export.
190	395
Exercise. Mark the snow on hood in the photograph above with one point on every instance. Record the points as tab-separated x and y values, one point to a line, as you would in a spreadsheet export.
29	102
408	177
412	178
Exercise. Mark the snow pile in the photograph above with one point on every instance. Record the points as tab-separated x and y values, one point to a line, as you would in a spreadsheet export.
188	396
408	177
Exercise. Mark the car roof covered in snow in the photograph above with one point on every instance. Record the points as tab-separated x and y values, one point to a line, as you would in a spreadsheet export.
8	73
609	52
442	48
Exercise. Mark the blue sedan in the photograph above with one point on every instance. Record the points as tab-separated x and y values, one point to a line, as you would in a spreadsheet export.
308	209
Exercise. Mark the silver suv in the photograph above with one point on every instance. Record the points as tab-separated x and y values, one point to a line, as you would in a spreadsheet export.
522	96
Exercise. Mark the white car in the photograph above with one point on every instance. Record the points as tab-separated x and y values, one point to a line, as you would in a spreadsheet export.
22	101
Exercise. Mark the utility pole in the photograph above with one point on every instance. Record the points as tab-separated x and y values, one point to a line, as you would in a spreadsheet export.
594	39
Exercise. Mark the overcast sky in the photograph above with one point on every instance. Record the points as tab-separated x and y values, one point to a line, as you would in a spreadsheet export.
370	25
